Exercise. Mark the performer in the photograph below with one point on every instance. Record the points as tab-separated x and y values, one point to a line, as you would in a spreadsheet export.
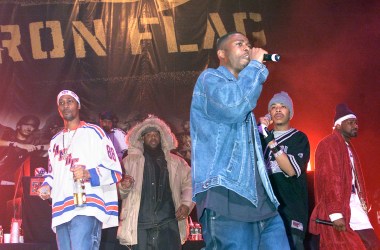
156	190
287	153
339	188
235	201
81	153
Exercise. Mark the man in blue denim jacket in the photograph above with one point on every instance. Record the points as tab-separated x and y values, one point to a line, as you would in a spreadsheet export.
235	201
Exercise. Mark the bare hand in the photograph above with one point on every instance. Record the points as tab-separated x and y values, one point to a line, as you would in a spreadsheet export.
127	181
182	212
339	225
44	192
257	54
80	172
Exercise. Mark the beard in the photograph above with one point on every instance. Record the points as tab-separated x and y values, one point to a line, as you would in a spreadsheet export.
153	147
67	115
354	134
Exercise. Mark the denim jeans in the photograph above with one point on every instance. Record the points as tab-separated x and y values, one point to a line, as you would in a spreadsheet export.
222	233
81	233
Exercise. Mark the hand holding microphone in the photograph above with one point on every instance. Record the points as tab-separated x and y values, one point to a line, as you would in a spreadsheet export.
274	148
262	55
265	121
257	54
324	222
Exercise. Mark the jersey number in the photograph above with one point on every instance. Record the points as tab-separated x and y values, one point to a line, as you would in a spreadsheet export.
111	153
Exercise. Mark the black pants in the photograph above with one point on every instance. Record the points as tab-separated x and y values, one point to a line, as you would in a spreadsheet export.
368	236
6	194
165	237
369	239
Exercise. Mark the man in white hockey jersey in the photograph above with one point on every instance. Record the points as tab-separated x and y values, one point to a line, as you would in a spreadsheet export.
82	160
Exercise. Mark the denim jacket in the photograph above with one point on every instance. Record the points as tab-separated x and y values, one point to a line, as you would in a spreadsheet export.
224	135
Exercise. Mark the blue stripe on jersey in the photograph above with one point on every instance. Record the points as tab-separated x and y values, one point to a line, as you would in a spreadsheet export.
114	173
56	134
114	213
98	203
114	178
48	176
89	204
59	203
96	128
94	177
66	209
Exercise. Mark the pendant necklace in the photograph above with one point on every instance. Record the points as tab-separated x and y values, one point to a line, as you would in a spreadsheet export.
65	150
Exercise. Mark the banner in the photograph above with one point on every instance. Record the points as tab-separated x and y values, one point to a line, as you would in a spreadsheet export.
134	57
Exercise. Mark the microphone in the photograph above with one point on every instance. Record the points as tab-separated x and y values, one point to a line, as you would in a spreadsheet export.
324	222
272	57
263	127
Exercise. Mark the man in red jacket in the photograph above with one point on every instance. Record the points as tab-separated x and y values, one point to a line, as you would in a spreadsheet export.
339	189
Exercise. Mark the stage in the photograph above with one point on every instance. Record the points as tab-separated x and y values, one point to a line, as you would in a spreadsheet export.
36	223
189	245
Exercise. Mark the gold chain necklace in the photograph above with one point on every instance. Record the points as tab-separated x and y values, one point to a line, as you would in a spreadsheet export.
65	150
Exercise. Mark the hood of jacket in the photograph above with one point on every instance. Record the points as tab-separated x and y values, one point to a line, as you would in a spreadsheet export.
136	142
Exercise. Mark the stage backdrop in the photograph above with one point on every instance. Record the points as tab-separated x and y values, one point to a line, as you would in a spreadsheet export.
133	57
139	57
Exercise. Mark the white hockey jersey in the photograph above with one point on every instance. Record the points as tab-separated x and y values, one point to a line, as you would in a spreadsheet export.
88	145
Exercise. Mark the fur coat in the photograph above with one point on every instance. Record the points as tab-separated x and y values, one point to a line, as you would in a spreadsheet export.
179	179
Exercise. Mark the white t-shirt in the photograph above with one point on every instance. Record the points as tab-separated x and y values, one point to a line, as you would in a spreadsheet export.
359	219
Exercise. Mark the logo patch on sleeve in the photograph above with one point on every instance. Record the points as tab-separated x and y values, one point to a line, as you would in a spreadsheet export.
297	225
